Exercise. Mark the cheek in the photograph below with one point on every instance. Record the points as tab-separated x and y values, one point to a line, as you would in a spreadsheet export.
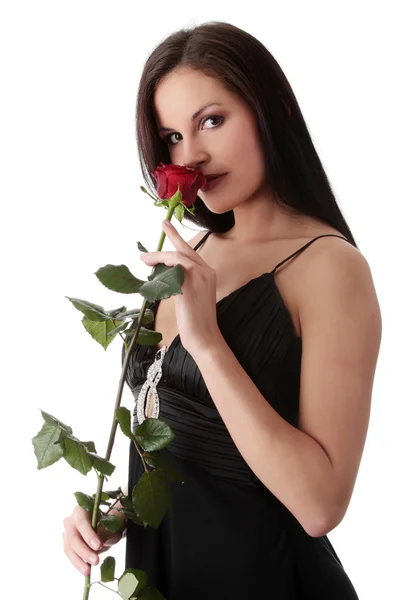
172	155
243	148
249	162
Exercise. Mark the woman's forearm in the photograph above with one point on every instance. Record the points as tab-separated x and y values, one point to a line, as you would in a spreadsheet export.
290	463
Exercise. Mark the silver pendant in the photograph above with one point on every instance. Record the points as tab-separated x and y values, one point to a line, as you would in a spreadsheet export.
153	377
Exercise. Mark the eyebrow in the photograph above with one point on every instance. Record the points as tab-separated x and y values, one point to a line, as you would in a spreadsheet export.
194	116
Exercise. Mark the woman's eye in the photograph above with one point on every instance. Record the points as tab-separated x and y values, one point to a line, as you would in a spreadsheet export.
211	117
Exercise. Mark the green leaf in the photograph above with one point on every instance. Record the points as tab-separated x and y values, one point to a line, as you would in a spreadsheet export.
176	198
107	569
77	456
153	434
112	523
160	270
126	502
53	421
163	282
146	337
118	278
151	498
141	247
47	450
90	447
131	582
94	312
118	329
104	497
148	316
114	493
189	210
99	331
84	501
164	465
103	465
123	417
115	311
131	516
179	212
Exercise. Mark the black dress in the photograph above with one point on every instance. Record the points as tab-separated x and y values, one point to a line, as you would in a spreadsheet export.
226	536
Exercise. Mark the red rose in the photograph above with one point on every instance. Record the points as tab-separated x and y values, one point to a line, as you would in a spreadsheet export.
169	176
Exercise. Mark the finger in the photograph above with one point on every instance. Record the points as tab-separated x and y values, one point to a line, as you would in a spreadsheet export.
76	560
170	230
84	526
81	549
178	241
168	258
110	541
108	537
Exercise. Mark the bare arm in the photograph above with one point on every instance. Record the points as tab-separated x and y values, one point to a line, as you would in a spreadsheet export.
310	469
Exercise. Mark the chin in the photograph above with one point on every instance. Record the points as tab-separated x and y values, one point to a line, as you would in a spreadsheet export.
218	210
218	204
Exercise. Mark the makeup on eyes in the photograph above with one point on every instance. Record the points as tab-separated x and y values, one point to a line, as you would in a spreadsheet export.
219	118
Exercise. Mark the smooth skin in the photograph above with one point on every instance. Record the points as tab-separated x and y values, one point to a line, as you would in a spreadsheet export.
78	535
311	469
329	291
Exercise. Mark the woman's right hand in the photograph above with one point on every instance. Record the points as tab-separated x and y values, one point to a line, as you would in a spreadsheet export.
78	537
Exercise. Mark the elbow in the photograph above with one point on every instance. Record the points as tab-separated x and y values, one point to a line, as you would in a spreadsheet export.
326	524
329	512
319	529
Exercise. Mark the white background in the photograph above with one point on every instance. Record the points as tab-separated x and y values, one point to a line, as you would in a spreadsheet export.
71	203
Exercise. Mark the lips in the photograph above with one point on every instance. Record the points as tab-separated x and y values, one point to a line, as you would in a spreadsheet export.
212	180
211	177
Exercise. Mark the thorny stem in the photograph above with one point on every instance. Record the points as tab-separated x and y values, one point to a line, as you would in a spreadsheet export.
171	208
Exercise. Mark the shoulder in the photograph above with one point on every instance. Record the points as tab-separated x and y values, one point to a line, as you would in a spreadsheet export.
337	283
341	334
333	260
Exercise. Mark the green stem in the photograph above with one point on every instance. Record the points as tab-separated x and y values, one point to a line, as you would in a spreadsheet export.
106	586
174	201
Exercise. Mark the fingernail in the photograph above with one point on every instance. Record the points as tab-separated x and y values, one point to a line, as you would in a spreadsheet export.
167	223
95	544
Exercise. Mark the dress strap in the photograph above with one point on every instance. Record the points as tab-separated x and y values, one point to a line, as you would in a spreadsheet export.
203	239
308	244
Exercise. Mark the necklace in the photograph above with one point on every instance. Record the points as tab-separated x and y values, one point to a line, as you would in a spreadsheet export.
148	391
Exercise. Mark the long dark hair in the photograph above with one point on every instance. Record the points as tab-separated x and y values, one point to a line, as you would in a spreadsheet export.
295	175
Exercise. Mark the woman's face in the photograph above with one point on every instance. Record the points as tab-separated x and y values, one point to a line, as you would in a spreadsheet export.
222	139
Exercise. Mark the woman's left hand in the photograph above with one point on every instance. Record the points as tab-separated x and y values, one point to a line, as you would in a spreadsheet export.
195	308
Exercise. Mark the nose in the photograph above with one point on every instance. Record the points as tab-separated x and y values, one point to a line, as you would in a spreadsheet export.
193	155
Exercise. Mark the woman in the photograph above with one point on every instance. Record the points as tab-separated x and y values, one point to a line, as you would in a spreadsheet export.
269	354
